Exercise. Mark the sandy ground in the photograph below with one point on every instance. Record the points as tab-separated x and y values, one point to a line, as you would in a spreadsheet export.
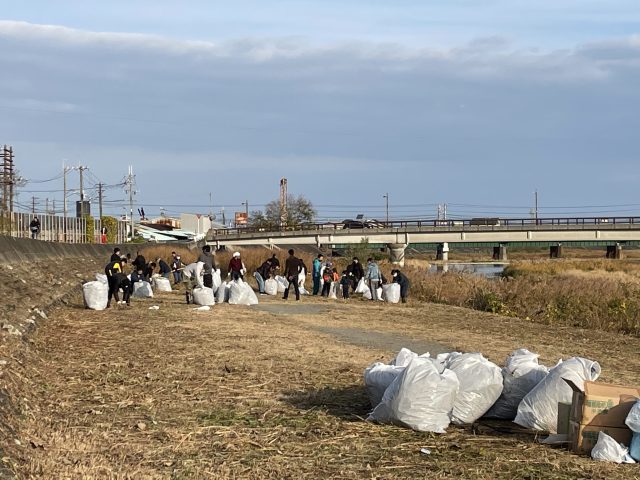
273	391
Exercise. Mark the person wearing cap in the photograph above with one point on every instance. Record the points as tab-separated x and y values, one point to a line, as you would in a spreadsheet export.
115	256
236	267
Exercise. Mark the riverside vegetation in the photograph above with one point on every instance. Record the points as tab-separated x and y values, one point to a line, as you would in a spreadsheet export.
595	294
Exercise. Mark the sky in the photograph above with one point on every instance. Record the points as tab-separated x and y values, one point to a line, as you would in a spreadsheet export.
476	104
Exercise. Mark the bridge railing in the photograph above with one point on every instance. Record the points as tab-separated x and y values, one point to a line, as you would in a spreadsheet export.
458	225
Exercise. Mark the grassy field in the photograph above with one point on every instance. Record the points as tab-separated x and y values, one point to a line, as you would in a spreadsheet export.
273	391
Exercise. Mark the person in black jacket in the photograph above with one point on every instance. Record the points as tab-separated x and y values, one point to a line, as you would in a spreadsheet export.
357	272
111	271
139	262
34	226
148	271
165	270
115	256
401	279
120	281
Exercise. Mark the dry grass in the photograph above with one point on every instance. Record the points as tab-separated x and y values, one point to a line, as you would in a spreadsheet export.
244	393
598	294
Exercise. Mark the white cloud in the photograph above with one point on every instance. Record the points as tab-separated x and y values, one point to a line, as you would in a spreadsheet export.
483	111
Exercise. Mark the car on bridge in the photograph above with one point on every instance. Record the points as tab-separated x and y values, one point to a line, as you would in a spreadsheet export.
362	224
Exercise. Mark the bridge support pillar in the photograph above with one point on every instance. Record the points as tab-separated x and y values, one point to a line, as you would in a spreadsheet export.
615	251
396	253
442	252
500	253
555	251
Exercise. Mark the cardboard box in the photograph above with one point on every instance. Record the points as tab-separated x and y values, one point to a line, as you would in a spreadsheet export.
600	407
582	438
602	404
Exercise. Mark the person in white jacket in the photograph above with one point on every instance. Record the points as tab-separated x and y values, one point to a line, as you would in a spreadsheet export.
192	276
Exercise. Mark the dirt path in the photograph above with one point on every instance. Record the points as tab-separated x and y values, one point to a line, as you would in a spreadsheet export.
273	391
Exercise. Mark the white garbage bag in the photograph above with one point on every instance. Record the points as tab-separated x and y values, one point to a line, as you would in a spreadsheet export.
380	292
520	374
391	292
216	279
142	290
203	296
539	408
101	277
633	422
162	284
333	291
362	285
271	287
302	276
96	295
366	294
608	450
404	357
419	398
241	293
252	298
283	283
377	379
222	294
480	386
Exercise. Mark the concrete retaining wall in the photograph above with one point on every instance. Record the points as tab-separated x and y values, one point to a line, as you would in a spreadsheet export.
14	250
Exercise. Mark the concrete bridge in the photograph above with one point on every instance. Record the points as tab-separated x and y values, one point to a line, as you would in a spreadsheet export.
611	232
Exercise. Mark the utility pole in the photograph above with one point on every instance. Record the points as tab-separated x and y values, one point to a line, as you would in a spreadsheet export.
536	204
65	169
81	169
386	197
46	208
100	199
283	202
129	182
33	205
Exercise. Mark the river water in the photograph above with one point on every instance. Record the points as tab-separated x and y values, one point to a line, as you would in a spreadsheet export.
489	270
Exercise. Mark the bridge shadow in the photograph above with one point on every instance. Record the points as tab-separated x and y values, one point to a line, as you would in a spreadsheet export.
349	403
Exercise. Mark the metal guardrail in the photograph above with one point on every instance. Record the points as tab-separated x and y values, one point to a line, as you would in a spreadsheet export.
444	225
54	228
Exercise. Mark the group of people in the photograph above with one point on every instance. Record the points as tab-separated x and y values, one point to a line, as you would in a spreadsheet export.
141	271
200	274
324	274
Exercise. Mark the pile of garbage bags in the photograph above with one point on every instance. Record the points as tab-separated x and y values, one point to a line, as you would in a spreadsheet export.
429	393
389	293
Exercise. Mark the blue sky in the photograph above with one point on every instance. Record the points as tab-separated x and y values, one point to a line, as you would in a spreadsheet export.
473	103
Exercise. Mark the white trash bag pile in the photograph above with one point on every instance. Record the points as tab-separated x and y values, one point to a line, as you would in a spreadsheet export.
428	394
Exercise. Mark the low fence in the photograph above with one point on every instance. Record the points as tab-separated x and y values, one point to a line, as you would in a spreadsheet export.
54	228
